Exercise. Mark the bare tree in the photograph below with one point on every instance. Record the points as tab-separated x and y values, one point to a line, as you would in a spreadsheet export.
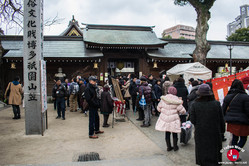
11	16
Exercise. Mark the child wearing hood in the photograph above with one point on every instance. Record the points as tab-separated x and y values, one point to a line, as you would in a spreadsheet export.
170	107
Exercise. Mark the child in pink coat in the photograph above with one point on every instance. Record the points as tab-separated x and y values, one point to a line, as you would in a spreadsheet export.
170	107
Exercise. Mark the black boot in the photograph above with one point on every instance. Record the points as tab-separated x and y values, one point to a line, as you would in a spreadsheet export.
169	147
175	140
105	121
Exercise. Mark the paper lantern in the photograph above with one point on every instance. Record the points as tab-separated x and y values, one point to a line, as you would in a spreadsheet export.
155	65
95	65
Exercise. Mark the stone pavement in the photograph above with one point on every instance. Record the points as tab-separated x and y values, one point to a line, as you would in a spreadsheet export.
186	153
125	144
65	140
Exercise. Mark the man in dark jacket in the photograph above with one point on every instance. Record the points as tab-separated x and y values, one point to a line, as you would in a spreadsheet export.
133	92
94	104
158	94
145	90
151	80
82	88
152	83
182	92
59	94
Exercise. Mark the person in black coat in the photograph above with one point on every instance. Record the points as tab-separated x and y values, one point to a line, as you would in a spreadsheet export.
94	104
59	93
236	111
106	107
158	94
192	96
133	89
151	80
158	90
207	117
82	88
182	92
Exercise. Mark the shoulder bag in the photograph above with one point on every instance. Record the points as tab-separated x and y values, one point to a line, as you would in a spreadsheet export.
231	102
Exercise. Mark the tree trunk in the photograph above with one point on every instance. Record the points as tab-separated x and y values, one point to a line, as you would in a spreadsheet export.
202	45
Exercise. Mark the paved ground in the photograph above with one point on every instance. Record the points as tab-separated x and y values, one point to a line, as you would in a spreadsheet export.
125	144
186	153
65	139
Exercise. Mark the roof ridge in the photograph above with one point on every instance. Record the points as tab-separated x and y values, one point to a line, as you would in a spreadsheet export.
119	27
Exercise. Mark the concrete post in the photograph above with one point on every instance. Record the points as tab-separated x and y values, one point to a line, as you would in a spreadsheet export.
32	55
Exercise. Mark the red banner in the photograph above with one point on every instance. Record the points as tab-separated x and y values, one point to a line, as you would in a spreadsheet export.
222	85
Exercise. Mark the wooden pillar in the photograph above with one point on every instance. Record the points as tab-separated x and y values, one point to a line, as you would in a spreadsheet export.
144	67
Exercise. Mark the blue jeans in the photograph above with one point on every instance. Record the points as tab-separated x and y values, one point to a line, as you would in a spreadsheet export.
93	120
60	102
147	113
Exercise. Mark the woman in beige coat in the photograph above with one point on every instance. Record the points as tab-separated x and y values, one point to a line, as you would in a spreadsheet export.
15	96
127	95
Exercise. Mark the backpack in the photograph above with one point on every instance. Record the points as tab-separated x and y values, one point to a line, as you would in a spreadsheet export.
75	89
142	101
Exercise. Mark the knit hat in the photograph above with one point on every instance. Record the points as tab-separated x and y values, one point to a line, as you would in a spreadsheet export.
204	90
191	79
92	78
142	78
106	88
172	90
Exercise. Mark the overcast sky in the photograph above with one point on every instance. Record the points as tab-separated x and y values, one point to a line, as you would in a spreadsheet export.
159	13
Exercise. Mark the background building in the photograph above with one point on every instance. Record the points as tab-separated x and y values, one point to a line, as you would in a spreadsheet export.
180	31
242	21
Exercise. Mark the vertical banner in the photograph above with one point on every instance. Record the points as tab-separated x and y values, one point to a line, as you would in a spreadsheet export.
43	86
32	55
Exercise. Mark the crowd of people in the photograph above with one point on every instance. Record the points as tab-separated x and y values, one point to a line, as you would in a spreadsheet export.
175	103
170	100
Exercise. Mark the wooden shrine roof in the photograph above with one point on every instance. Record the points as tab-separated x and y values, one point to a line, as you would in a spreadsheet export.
119	35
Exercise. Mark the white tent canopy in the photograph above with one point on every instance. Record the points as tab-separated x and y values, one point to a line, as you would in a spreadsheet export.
189	70
246	69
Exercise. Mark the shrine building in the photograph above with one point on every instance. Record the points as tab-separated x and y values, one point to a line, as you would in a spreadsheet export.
104	50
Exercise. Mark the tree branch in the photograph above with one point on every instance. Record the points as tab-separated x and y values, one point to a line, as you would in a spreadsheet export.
11	14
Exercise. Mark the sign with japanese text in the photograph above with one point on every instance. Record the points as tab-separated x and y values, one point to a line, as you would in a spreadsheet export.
32	55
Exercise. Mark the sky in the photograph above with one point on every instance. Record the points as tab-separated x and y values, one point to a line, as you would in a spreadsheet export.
162	14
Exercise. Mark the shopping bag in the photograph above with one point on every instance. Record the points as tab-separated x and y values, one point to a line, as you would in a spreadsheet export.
186	132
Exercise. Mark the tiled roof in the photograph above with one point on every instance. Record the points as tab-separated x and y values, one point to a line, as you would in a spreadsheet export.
121	35
184	49
53	49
